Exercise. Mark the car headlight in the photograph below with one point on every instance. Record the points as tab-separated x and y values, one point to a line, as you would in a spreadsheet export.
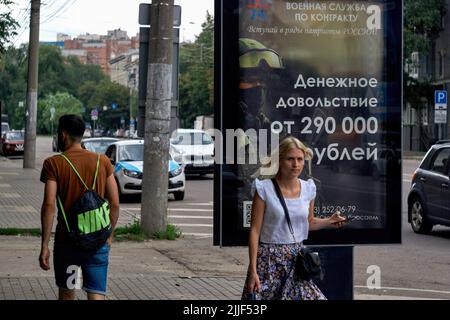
132	174
176	172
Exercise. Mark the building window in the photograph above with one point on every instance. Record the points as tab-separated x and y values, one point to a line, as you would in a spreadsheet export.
414	70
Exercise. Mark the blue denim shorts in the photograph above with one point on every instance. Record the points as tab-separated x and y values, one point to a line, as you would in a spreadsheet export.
94	267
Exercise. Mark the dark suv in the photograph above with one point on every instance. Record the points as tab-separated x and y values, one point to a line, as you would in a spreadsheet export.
429	198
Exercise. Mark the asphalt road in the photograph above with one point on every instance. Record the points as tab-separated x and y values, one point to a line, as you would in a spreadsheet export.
419	267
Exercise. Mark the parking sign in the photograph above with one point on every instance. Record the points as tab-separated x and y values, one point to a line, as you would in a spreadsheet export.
440	97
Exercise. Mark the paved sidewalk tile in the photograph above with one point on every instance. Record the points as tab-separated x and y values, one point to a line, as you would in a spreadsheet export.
131	288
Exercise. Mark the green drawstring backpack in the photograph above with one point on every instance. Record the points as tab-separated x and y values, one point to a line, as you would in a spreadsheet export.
88	221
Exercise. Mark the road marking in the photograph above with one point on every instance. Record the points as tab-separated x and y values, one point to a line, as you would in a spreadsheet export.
10	195
9	174
5	185
189	217
407	289
408	181
199	204
21	209
193	225
205	235
193	209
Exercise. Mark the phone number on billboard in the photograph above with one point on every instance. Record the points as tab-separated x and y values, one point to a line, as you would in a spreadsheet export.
334	209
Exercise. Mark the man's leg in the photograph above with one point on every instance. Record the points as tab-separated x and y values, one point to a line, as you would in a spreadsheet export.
66	294
95	273
95	296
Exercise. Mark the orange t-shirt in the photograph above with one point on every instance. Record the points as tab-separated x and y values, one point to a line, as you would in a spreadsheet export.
70	188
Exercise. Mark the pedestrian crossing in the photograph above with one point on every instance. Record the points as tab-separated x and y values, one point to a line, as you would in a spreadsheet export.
194	219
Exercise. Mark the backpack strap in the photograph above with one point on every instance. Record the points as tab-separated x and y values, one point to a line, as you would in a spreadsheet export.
96	171
61	207
74	169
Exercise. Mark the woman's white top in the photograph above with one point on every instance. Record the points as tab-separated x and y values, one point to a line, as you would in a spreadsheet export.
275	228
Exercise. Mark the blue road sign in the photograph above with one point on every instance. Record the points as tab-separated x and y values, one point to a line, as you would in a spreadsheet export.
114	106
440	97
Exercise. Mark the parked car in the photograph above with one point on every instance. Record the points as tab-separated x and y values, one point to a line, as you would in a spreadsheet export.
198	149
98	145
11	143
429	197
127	156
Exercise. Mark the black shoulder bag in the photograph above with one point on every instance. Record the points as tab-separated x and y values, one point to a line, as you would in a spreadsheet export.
307	262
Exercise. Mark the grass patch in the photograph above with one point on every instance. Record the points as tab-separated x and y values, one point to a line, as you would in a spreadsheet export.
20	232
132	232
171	233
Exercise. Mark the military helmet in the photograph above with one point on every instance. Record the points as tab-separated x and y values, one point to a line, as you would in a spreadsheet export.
253	54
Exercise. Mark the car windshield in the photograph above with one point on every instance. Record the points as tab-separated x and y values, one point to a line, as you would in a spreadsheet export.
98	146
14	136
192	138
131	152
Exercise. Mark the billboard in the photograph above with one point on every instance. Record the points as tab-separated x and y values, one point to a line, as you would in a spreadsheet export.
330	74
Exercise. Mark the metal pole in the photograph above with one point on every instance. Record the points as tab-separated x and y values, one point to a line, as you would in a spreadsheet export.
157	119
131	113
29	157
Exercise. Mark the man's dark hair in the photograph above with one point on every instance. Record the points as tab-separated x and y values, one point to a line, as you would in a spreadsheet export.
73	125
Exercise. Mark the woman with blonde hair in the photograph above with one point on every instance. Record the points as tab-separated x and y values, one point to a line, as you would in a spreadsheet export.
272	246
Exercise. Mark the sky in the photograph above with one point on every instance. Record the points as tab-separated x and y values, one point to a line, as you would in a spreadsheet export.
75	17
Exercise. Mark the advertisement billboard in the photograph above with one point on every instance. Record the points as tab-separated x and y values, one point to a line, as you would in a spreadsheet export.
330	74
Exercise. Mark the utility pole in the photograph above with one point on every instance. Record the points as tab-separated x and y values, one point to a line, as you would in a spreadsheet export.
157	119
29	157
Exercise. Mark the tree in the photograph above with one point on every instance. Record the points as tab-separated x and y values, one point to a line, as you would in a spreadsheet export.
8	25
197	75
63	102
422	25
106	93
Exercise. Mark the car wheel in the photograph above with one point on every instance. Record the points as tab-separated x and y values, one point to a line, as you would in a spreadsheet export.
419	222
179	195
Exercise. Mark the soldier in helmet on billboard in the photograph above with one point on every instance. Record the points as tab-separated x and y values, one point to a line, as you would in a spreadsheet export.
260	67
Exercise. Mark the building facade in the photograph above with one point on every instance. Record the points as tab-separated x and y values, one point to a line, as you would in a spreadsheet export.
420	129
99	49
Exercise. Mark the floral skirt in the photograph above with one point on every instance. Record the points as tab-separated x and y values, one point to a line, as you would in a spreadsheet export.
275	268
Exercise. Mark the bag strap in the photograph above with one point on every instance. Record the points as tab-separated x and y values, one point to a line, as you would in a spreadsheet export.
61	207
283	204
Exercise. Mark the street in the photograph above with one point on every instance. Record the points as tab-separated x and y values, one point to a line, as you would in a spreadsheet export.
418	268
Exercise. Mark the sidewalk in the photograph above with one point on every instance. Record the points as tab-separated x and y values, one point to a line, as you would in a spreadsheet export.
188	268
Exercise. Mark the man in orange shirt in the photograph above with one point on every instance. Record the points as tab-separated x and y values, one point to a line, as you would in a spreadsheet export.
60	179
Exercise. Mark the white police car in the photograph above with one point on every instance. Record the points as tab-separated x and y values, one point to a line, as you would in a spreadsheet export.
127	156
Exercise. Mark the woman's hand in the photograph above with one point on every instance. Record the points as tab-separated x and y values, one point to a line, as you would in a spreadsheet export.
253	283
336	221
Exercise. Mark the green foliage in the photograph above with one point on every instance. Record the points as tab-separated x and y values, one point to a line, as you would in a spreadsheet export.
131	232
106	93
20	232
63	102
422	25
196	92
87	84
171	233
8	25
